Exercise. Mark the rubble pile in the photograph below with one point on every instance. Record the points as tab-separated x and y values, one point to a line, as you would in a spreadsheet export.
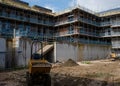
70	63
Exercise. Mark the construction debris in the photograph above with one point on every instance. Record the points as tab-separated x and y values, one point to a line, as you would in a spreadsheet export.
69	63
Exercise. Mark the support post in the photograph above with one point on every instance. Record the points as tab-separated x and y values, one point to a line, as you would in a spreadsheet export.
54	51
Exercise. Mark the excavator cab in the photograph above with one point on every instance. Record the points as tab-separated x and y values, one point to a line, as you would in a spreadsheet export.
38	69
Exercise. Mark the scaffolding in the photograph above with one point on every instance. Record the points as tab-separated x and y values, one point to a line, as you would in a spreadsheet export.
27	23
77	7
77	24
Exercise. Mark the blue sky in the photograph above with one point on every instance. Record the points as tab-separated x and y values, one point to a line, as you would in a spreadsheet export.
58	5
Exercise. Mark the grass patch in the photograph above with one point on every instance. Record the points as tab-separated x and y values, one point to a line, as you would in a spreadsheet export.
86	62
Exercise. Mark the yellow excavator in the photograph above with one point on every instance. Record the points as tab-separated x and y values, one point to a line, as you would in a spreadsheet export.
38	69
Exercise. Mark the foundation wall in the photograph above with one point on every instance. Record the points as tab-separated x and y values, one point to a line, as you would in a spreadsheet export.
18	53
19	56
2	52
78	52
23	52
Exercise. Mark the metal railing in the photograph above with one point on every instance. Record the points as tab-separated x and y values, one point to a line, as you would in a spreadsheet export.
89	21
23	18
81	40
24	33
78	19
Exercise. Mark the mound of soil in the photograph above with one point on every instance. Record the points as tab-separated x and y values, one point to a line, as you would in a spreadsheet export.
69	63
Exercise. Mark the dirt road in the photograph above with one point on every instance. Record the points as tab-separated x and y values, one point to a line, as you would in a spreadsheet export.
87	73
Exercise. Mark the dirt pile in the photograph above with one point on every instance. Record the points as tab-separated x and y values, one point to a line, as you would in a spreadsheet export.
70	63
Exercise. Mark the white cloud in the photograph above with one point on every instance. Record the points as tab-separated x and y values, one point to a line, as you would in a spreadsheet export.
50	7
31	2
96	5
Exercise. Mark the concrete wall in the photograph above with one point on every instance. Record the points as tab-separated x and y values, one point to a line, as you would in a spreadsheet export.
65	51
2	52
23	52
91	52
9	54
116	42
80	52
19	56
19	53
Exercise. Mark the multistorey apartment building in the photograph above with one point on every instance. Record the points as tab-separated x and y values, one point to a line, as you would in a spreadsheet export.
19	24
91	34
110	28
27	21
79	26
36	20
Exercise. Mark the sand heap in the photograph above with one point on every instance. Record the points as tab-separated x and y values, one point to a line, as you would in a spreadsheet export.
69	63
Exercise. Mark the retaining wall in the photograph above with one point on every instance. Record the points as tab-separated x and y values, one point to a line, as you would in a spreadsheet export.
79	52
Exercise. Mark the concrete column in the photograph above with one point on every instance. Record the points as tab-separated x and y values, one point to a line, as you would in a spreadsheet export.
54	52
15	52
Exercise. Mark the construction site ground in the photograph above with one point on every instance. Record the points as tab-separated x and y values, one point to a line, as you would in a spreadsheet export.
87	73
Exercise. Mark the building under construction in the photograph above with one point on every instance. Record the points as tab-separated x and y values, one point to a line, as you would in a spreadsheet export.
78	33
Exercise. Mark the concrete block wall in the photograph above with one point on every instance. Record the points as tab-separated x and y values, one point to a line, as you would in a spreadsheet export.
65	51
20	55
2	52
15	56
78	52
23	52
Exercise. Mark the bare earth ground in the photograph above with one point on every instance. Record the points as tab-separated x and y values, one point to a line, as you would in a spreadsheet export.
87	73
